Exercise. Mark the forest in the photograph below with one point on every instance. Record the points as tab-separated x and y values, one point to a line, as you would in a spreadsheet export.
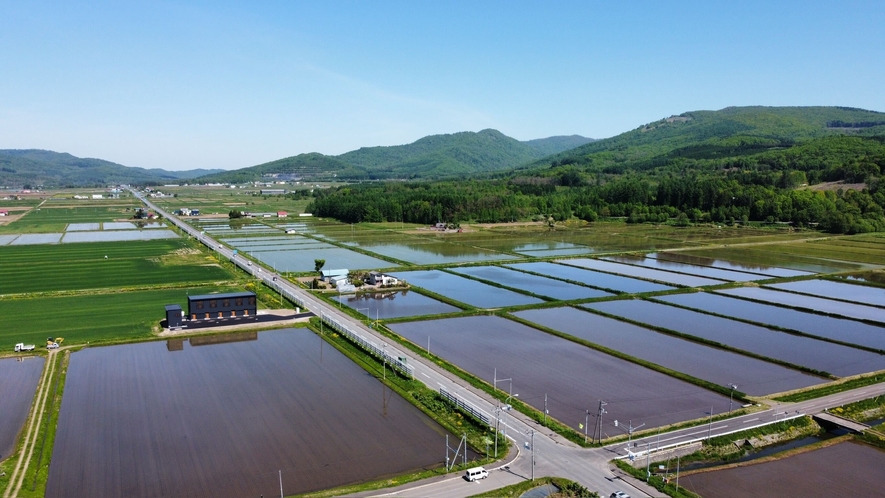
722	183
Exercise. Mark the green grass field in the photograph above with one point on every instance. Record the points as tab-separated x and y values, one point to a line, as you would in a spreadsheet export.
90	318
67	267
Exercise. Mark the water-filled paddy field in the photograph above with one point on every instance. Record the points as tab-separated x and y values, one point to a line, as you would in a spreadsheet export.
766	256
838	329
755	377
465	290
804	351
857	311
394	304
573	377
701	271
639	272
771	271
861	294
18	383
296	260
554	289
591	278
849	468
221	420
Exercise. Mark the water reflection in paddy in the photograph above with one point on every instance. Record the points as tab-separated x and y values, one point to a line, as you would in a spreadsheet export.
572	376
812	353
862	294
839	329
849	310
755	377
155	420
465	290
703	271
555	289
18	383
635	271
589	277
771	271
394	304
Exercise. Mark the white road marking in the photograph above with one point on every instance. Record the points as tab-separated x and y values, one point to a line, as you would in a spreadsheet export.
751	420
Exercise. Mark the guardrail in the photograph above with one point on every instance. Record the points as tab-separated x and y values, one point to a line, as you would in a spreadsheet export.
654	449
398	364
466	407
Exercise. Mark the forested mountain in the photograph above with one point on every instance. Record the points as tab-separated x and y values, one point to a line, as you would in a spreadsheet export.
731	166
730	132
435	156
553	145
33	167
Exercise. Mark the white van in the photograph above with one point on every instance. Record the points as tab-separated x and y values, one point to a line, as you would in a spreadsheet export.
476	473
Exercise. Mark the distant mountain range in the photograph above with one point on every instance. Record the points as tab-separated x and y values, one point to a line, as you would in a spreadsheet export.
691	136
33	168
434	156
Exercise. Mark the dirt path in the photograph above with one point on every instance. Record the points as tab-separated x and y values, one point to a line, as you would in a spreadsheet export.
43	390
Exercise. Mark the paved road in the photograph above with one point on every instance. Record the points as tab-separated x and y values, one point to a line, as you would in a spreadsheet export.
553	455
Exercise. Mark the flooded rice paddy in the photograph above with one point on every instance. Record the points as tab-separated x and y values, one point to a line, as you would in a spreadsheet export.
849	469
18	383
465	290
861	294
639	272
572	376
701	271
771	271
838	329
394	304
857	311
811	353
755	377
555	289
221	420
294	260
766	257
591	278
83	227
427	253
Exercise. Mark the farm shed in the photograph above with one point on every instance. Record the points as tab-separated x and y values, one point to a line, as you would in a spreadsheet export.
213	306
173	316
328	275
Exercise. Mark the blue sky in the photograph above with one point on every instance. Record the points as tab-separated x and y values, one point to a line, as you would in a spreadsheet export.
182	85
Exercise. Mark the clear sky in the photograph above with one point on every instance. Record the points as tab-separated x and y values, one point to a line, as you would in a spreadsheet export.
215	84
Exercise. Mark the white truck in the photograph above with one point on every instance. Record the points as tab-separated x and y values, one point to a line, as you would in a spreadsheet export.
23	347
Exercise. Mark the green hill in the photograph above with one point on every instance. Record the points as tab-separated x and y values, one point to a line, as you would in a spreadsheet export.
313	165
733	131
435	156
33	167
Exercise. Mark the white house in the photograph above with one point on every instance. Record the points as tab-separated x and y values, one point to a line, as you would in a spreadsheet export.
378	278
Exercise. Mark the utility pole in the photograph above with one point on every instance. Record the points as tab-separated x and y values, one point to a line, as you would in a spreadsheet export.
586	422
597	432
533	455
281	483
647	451
545	409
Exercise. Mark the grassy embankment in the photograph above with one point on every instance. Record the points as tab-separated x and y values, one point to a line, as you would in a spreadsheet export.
427	400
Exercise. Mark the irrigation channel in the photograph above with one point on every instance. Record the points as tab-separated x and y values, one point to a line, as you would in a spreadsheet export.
541	452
